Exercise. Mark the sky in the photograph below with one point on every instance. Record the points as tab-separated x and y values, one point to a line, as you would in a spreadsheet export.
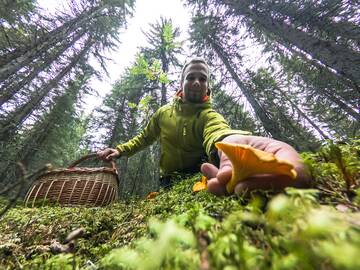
132	38
146	12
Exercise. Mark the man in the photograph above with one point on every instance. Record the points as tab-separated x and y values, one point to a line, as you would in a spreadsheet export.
188	129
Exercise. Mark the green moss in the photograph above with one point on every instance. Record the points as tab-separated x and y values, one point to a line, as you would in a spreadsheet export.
299	229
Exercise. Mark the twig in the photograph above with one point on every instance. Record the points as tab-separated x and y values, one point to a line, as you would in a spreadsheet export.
203	241
23	171
23	178
17	261
21	183
75	234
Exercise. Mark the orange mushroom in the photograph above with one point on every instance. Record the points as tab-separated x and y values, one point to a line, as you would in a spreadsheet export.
152	195
200	185
248	161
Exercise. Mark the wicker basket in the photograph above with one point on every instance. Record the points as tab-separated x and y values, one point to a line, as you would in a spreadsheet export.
76	186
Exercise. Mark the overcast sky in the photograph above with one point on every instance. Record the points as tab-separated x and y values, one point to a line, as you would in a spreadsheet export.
145	12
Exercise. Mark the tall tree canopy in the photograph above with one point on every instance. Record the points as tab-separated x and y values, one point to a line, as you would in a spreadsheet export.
299	52
42	60
164	46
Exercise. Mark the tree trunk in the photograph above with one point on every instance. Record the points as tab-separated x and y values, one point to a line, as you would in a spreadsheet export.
165	69
330	95
119	118
342	105
269	125
302	114
163	94
320	66
301	140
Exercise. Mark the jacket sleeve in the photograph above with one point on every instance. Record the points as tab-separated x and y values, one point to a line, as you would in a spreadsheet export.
215	129
145	138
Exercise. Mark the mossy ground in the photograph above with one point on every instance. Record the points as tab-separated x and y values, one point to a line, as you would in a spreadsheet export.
318	228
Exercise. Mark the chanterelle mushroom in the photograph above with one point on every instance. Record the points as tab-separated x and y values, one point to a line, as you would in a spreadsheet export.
248	161
200	185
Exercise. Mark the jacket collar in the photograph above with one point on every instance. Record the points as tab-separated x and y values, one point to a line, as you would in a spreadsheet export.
190	108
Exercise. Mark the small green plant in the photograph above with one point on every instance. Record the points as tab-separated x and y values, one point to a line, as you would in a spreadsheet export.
335	163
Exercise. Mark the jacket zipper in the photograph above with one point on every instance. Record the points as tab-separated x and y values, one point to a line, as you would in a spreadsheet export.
180	131
184	130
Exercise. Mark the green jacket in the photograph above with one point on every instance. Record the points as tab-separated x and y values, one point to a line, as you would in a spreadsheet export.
187	134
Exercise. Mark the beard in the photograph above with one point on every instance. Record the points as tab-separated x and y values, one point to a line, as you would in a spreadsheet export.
194	96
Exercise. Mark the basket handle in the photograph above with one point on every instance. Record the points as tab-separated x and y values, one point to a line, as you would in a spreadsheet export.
90	156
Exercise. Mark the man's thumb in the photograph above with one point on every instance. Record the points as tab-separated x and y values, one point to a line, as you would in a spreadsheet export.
111	156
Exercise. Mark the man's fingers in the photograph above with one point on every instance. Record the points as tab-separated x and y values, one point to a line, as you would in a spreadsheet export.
112	155
100	154
215	187
107	154
224	175
209	170
225	170
265	182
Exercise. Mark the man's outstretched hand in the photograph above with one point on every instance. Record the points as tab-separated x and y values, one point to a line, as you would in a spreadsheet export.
108	154
219	177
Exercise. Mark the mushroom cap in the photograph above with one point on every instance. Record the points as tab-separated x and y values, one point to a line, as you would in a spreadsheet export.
248	161
152	195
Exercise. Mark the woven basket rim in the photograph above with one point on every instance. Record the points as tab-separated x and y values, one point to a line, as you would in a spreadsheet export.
80	170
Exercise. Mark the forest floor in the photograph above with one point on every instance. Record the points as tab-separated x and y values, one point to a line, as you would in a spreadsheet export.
317	228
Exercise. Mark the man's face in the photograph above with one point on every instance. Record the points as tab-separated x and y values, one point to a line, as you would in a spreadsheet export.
195	83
